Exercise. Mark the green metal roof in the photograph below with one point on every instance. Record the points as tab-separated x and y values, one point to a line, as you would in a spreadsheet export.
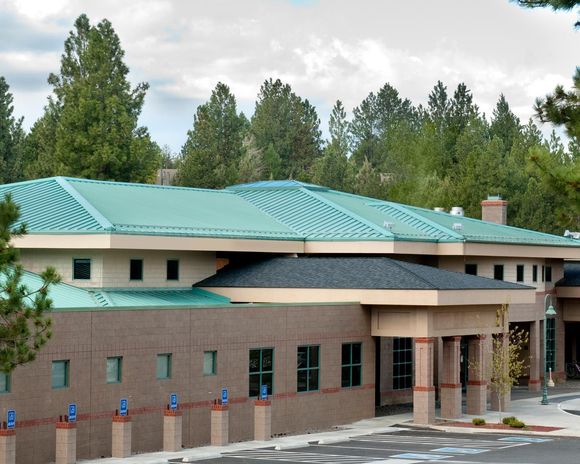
65	296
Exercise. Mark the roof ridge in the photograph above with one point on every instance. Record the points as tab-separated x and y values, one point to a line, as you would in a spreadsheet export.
360	219
400	265
143	185
84	203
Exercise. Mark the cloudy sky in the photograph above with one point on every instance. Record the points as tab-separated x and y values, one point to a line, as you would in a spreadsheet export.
325	49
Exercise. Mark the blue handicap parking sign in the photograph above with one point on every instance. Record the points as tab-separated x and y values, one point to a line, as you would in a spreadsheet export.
123	407
264	392
72	412
173	401
225	396
11	419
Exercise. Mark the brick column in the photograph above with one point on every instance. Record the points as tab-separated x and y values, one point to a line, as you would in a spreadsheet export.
172	430
220	425
535	384
423	391
476	383
451	385
7	446
502	402
66	442
121	447
262	420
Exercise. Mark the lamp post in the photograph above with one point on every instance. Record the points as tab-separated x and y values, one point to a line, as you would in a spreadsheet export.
548	311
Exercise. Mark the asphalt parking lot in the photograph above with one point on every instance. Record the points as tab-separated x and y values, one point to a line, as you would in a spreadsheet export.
416	446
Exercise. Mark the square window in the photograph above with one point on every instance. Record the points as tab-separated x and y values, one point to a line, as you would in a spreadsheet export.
351	371
209	362
172	269
114	366
520	272
60	374
307	368
4	382
81	269
535	273
261	367
164	366
471	269
498	271
136	269
548	273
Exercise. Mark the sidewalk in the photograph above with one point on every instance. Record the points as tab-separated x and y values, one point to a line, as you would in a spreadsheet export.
525	406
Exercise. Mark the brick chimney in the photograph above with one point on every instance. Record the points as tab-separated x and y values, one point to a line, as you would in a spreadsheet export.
494	209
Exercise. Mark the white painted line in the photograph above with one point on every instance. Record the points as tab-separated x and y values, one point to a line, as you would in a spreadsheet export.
460	450
422	456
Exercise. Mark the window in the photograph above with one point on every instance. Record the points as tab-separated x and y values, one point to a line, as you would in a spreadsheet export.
402	363
520	272
5	382
308	365
551	344
261	370
471	269
498	271
548	273
81	269
136	269
209	362
114	366
164	366
543	270
172	269
535	273
351	365
60	374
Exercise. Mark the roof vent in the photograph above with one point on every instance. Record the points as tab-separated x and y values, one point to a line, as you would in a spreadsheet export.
388	225
570	234
439	209
457	226
456	211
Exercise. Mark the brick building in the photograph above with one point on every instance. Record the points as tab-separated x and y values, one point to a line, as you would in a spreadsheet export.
336	302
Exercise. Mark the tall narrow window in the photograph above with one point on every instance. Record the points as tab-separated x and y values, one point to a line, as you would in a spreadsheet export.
471	269
535	273
402	363
548	273
114	368
172	269
136	269
81	269
543	271
209	362
60	373
5	382
308	362
498	271
551	344
351	374
261	370
164	366
520	272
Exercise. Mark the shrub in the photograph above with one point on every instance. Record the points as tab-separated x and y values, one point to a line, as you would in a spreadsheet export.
518	424
478	421
508	420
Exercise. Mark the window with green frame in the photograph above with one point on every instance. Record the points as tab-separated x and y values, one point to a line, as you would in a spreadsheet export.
114	369
5	380
402	363
551	344
60	373
308	365
351	373
261	370
164	366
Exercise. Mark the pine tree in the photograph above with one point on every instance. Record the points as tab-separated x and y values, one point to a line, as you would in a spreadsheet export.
25	326
11	138
97	133
212	152
504	123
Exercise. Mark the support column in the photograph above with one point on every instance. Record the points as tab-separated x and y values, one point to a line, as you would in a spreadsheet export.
122	428
66	442
501	402
262	420
424	391
7	446
535	384
172	430
220	425
451	385
476	383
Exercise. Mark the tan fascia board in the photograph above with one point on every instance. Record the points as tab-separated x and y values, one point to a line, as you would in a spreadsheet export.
510	250
371	247
154	242
376	297
568	292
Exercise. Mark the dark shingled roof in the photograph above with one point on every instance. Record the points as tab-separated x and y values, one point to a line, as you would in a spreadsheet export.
571	275
349	272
